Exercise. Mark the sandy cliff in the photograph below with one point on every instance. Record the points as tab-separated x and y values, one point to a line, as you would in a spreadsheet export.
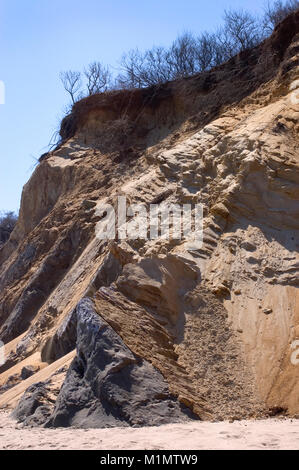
213	328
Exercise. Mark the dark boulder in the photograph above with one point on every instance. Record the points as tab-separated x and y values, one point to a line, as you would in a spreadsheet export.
28	371
34	407
107	385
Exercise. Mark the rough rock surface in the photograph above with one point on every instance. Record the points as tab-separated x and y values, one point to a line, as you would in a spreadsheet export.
37	404
28	371
219	323
106	385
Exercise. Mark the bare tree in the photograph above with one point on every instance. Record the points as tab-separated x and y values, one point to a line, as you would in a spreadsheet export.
182	56
186	56
189	55
132	66
8	221
98	78
140	70
241	31
208	52
277	12
159	65
72	83
156	67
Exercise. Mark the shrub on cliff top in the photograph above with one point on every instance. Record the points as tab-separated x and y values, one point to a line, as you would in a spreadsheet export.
186	56
8	221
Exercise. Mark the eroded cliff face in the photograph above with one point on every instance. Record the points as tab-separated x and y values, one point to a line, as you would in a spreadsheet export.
212	329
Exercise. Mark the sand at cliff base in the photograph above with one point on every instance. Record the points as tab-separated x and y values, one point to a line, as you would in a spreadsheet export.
263	434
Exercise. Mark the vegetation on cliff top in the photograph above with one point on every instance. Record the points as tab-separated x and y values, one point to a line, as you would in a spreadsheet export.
187	55
8	221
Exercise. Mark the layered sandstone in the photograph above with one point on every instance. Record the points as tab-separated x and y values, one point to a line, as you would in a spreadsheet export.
217	324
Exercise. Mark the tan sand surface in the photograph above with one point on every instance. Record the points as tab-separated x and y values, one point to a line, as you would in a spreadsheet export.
10	398
263	434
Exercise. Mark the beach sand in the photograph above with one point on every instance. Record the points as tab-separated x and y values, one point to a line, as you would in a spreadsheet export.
263	434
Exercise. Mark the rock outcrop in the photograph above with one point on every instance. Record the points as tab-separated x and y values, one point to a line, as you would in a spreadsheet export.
212	330
108	385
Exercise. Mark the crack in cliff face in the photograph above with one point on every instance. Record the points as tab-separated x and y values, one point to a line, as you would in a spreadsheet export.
216	323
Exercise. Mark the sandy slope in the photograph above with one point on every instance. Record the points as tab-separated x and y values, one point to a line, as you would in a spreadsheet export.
264	434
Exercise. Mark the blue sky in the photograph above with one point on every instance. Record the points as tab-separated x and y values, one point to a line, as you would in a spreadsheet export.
40	38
